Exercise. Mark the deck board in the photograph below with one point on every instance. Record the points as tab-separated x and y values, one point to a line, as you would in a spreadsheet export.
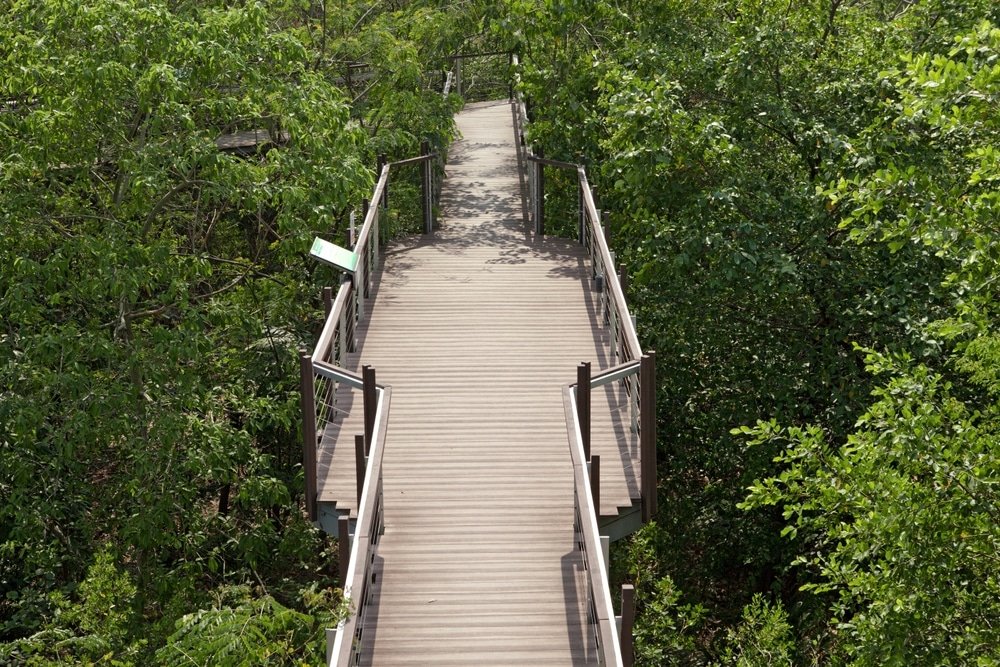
477	328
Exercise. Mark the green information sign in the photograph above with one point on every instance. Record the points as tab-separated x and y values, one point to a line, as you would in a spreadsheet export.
333	254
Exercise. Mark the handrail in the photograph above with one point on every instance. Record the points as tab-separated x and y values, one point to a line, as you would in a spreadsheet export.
615	373
591	232
323	373
602	256
369	528
600	610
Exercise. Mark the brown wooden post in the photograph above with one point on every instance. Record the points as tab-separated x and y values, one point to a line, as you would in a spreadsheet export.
595	483
623	280
583	404
370	396
540	196
647	433
385	191
425	187
327	301
581	233
359	464
628	621
308	402
344	546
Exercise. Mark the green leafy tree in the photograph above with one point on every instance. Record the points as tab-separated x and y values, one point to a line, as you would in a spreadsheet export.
904	513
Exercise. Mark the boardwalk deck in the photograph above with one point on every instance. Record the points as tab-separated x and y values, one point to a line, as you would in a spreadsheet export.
477	328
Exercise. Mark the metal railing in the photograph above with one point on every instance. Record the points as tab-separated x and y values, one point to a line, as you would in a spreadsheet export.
326	382
630	366
608	636
344	643
609	281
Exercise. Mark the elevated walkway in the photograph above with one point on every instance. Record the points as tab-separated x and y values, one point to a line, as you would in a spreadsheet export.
478	328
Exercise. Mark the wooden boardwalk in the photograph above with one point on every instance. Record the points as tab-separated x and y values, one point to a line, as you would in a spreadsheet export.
477	328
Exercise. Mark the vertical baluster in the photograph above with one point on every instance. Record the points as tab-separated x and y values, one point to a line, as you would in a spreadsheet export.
583	404
634	402
342	335
614	334
540	203
327	303
344	547
628	620
370	395
647	434
308	403
359	464
425	184
595	483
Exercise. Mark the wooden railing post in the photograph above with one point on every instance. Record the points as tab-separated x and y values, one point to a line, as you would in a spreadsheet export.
370	397
343	546
425	187
583	213
583	404
540	195
378	174
359	463
628	621
595	483
647	433
308	402
510	69
327	302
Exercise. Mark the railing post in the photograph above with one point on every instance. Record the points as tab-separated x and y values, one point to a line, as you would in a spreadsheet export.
425	187
540	195
595	483
583	211
628	620
647	433
458	76
327	301
308	402
344	345
583	404
344	546
510	66
623	280
359	464
370	397
378	174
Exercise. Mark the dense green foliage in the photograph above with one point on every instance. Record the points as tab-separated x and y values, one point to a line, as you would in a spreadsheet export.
154	290
806	197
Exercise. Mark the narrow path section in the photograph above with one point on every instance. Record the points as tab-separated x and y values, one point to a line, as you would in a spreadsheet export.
476	329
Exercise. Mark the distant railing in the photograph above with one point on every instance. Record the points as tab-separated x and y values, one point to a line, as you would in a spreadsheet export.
482	82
